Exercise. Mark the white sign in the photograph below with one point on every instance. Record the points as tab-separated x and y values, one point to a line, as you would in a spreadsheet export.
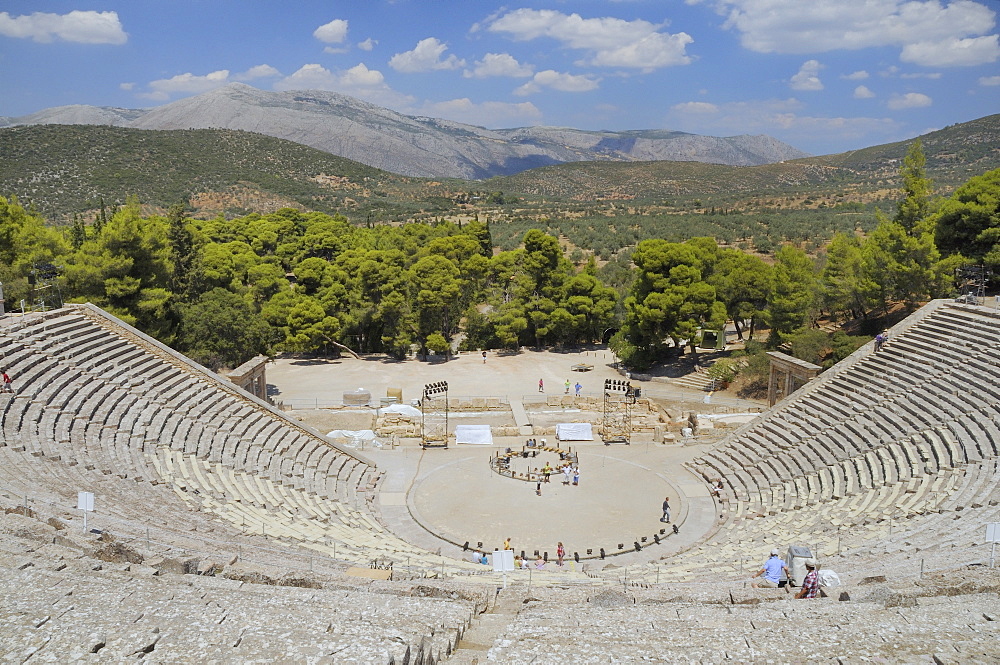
503	561
85	501
993	532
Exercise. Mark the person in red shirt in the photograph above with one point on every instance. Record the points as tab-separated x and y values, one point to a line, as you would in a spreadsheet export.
810	585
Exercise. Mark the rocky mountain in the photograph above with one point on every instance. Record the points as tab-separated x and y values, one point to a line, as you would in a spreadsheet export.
415	145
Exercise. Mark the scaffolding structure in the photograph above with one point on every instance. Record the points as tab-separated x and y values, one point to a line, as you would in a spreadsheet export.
434	415
971	281
616	426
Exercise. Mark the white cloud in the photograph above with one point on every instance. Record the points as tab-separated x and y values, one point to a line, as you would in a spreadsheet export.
781	118
257	72
163	89
921	75
557	81
911	100
358	81
82	27
127	86
859	75
611	42
928	31
368	44
188	83
487	114
499	64
862	92
953	52
695	108
807	77
425	57
334	32
989	80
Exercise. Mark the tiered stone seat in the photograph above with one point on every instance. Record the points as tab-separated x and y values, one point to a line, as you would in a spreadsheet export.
908	433
102	402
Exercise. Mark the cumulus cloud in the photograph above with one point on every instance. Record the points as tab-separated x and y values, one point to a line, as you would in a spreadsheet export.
807	77
928	31
556	81
989	80
368	44
953	52
499	64
425	57
784	119
862	92
487	114
859	75
334	32
188	83
358	81
911	100
695	108
610	42
258	72
82	27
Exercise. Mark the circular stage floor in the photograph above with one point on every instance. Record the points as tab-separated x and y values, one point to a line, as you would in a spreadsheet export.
618	500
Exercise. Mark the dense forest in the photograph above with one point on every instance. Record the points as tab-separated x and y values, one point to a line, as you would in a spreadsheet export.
224	289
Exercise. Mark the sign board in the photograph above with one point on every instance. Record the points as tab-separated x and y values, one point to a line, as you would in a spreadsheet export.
993	532
85	501
503	561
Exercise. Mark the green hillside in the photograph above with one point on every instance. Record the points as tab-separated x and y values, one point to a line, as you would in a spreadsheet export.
67	169
598	207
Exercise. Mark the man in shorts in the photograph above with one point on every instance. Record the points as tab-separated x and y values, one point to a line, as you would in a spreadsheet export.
771	571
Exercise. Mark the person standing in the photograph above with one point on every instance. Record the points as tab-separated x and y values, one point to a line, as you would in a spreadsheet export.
771	570
810	585
484	357
541	386
566	471
576	475
506	544
7	387
547	471
666	510
578	388
560	554
567	386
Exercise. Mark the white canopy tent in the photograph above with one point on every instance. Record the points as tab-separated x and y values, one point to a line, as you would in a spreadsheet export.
574	432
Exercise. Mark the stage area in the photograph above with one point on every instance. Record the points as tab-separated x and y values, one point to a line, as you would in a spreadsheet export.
441	498
618	500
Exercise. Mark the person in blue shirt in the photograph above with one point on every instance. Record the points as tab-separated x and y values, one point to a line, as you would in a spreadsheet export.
771	571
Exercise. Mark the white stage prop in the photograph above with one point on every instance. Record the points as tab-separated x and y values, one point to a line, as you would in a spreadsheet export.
474	434
574	432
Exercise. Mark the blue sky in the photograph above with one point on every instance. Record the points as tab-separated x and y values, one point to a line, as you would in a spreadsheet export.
823	75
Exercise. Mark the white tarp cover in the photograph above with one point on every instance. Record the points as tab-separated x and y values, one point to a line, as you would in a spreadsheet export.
828	578
402	409
574	432
475	434
356	435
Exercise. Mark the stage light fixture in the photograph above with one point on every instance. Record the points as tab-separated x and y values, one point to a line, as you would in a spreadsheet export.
590	551
576	557
465	547
656	537
602	552
638	547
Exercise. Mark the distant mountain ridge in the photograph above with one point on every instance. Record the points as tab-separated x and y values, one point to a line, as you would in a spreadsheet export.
415	145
